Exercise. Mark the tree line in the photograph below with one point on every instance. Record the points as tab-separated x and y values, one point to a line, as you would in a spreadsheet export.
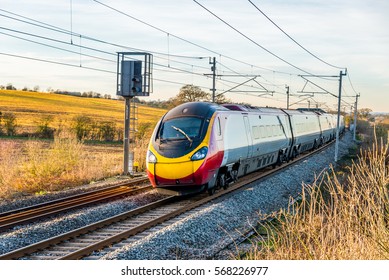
89	94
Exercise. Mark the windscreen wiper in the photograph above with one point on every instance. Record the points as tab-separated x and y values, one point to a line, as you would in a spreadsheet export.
183	133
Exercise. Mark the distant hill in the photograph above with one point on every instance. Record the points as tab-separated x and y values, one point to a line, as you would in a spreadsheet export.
31	107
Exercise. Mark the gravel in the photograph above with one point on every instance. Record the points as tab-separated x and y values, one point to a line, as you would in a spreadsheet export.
198	234
24	235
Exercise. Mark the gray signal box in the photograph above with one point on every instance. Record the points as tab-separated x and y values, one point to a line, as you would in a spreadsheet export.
133	77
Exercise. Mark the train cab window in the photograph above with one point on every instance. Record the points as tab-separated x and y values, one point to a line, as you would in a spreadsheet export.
218	127
181	128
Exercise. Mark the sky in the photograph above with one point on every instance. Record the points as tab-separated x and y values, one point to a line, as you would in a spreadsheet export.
73	44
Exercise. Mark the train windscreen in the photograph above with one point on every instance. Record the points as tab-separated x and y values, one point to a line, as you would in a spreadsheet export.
181	128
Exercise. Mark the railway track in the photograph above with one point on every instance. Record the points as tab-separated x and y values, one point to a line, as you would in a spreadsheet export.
29	214
82	242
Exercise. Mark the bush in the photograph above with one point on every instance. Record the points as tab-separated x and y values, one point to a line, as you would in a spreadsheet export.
82	126
9	123
43	129
107	131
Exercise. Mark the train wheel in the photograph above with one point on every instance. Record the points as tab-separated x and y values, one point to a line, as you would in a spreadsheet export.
294	154
222	181
314	146
211	191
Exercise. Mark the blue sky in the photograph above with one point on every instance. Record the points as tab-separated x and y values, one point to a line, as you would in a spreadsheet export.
348	33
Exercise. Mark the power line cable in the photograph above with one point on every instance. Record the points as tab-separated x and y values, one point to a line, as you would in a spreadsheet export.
251	40
81	46
58	48
318	58
54	28
67	32
58	63
187	41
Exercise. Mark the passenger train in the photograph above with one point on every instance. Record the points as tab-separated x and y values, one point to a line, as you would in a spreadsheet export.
200	146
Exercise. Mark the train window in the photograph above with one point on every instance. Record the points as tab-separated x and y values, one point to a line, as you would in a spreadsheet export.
261	131
268	131
256	132
181	128
279	133
219	128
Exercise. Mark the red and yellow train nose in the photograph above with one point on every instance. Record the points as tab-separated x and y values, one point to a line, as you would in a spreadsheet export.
185	170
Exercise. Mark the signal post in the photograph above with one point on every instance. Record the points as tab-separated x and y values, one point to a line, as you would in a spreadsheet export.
134	78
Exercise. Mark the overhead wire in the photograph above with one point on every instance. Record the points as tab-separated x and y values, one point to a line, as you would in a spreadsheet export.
185	40
297	43
94	49
57	29
251	40
58	63
67	32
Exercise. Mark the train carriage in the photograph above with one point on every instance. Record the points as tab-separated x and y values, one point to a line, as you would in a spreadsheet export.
203	146
327	127
305	129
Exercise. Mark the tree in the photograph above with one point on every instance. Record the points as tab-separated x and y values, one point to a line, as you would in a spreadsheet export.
221	99
10	87
82	125
189	93
107	131
364	112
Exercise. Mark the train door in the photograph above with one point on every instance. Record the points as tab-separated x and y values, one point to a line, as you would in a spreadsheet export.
249	138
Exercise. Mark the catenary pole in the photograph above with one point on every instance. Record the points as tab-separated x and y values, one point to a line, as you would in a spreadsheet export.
355	116
213	68
287	97
341	74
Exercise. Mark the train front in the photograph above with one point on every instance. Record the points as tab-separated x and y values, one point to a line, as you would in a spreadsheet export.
179	159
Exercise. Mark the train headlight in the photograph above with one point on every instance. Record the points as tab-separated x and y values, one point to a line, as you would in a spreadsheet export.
200	154
151	158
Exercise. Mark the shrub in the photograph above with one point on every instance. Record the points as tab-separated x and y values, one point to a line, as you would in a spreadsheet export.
82	126
43	128
9	123
107	131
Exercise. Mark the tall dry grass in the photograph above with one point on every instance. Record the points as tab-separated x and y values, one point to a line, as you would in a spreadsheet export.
338	218
37	166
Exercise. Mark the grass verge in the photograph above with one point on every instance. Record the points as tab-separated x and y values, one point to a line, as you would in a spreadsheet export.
340	217
34	166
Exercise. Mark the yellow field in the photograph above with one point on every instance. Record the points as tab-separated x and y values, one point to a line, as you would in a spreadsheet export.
39	166
30	107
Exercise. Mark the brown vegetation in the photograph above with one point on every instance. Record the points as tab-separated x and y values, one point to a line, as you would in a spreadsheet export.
337	218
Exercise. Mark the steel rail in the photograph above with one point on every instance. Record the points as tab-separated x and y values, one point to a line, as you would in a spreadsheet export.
28	214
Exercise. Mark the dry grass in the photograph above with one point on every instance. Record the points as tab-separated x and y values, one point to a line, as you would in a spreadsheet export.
39	166
336	219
